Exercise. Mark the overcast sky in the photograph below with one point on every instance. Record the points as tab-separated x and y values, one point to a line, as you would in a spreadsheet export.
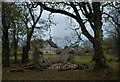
62	30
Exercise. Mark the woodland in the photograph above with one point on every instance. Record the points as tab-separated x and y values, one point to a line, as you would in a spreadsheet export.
27	56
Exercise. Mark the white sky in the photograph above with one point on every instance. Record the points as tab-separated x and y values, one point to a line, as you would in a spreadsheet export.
61	30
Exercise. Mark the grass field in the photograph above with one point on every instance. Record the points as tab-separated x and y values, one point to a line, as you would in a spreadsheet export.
110	73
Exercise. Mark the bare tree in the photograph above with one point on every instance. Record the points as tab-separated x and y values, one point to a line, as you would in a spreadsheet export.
93	15
32	20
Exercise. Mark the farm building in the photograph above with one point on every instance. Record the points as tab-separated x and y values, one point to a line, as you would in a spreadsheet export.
47	47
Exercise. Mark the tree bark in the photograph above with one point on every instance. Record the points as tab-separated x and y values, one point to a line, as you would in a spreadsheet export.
99	54
26	49
98	38
5	39
15	41
5	47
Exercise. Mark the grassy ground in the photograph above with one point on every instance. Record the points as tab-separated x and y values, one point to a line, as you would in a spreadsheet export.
86	74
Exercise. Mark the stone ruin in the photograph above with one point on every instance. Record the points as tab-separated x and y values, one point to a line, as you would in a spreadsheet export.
66	62
66	56
38	57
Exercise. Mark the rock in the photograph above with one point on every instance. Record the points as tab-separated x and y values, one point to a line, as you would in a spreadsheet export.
56	66
66	57
45	65
74	67
83	66
65	67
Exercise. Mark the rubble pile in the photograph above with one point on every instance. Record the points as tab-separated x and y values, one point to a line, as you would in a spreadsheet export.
67	66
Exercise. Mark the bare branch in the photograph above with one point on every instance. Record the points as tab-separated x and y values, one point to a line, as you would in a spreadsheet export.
56	10
80	21
30	10
110	17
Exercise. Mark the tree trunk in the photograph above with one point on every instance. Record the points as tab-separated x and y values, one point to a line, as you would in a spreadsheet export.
26	49
99	54
25	57
15	41
5	47
98	38
5	40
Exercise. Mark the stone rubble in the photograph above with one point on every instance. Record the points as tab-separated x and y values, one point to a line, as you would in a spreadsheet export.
67	66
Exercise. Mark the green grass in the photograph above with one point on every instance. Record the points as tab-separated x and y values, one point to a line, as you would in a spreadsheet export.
85	74
83	59
51	57
78	59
